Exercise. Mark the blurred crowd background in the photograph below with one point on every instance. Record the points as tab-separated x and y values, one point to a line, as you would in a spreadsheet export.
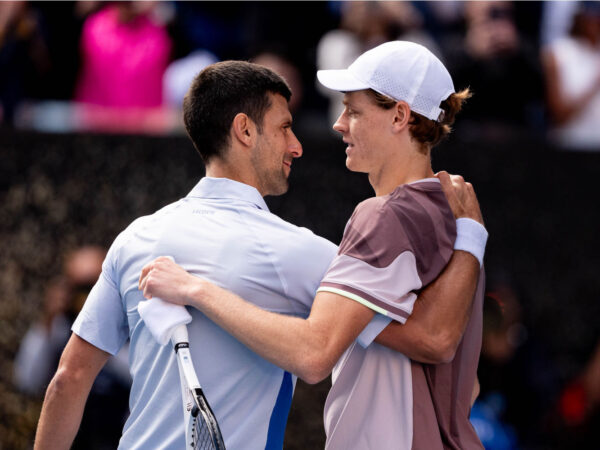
91	137
125	66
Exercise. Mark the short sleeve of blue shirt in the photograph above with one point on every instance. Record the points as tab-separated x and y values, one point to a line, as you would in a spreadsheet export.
102	321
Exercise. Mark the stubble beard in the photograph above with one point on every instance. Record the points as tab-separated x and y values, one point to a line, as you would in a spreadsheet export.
276	183
272	181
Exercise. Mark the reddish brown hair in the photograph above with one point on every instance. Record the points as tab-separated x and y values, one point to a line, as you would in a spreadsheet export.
428	133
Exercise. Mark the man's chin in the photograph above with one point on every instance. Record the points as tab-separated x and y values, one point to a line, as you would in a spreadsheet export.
284	189
352	166
279	189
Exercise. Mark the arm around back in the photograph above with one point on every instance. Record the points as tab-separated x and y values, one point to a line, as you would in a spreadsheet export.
309	348
440	315
441	312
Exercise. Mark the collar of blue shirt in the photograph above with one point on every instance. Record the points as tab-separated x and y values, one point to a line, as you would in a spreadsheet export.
224	188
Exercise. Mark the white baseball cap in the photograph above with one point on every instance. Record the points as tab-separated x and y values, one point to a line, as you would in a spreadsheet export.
400	70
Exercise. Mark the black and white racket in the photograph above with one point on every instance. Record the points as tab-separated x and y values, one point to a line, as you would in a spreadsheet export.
201	427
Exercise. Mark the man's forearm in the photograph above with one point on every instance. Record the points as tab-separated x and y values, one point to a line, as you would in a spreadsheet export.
61	415
308	347
67	393
276	338
440	314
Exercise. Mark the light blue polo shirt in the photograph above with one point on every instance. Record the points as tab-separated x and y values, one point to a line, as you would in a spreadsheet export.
222	231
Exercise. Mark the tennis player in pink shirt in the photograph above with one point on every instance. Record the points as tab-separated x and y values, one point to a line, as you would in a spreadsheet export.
402	348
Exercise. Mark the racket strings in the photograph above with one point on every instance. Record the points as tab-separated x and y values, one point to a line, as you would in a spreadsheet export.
201	436
205	430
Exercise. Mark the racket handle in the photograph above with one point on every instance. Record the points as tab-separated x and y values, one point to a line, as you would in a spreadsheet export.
180	334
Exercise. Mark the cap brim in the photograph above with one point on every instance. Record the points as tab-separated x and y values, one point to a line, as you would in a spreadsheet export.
340	80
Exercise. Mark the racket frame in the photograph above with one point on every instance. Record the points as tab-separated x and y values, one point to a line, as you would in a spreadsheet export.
194	400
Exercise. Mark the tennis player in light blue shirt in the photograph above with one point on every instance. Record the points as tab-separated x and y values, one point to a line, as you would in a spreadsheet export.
237	116
222	230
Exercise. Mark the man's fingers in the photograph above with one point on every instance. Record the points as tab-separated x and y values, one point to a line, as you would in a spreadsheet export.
454	188
457	179
461	196
143	275
164	259
151	265
472	208
444	178
144	293
446	183
155	271
143	283
469	193
451	183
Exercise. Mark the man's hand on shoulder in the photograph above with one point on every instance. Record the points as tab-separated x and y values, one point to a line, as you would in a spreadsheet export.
461	196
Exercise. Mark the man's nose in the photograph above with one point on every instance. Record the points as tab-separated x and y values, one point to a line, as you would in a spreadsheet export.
340	124
295	147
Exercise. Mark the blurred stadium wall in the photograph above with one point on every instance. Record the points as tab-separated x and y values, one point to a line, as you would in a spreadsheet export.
61	191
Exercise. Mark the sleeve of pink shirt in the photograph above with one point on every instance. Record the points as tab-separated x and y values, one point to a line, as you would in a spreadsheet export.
376	264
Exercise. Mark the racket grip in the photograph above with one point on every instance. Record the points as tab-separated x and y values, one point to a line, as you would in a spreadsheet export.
180	334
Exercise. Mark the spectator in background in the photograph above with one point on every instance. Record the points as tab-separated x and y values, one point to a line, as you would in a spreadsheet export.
124	56
517	380
218	27
282	66
61	25
500	66
572	70
180	73
37	358
577	416
125	52
364	25
38	354
23	56
556	21
40	350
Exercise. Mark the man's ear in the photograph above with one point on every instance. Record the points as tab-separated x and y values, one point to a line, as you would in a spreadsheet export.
401	116
244	130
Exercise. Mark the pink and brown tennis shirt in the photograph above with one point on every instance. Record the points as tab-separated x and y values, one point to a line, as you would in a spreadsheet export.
393	247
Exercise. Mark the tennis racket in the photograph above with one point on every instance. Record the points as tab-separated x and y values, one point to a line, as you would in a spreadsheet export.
201	427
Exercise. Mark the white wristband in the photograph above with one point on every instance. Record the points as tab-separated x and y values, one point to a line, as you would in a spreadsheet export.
471	237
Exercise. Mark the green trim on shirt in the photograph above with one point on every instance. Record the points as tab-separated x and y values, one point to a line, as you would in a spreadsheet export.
354	297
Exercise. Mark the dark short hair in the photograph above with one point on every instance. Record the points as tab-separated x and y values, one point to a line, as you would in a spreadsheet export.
220	92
